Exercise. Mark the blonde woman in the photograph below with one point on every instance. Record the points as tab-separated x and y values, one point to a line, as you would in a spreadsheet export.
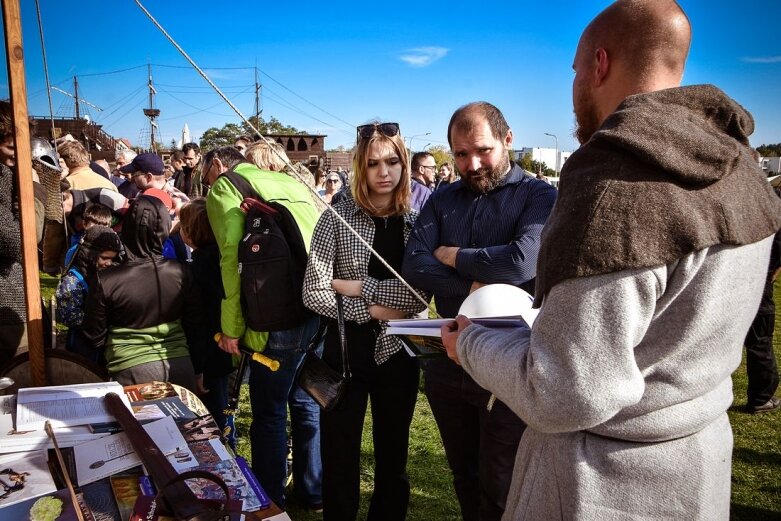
378	208
271	156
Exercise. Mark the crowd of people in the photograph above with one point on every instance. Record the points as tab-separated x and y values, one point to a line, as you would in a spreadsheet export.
611	406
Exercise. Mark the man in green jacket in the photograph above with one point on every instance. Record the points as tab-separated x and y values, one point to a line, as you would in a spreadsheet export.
270	392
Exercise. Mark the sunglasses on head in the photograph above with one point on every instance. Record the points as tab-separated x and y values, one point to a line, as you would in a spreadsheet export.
386	129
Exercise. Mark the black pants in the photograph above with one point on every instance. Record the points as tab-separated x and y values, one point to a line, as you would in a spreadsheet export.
761	365
480	445
392	388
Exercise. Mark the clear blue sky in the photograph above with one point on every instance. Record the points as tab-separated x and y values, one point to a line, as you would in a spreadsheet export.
327	66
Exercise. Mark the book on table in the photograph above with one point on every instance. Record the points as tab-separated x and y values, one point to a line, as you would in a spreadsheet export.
13	440
65	405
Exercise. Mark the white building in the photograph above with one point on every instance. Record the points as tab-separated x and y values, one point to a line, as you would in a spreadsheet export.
544	155
771	165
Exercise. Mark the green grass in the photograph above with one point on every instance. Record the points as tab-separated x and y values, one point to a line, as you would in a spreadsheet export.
756	458
432	495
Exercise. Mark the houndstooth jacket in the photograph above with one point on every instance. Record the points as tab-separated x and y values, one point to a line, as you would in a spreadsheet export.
336	253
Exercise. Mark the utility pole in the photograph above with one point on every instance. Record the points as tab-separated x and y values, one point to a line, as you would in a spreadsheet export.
416	136
257	97
556	167
76	96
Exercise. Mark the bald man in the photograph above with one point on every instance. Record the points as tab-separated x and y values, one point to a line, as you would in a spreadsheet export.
650	271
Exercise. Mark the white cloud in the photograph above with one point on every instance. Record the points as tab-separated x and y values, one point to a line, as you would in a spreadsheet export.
762	59
423	56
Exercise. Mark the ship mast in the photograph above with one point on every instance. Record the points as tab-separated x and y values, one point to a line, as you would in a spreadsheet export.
76	96
152	113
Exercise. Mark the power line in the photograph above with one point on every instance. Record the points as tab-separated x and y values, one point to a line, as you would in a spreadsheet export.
133	93
121	104
289	106
351	125
133	107
109	72
204	68
201	87
193	106
191	113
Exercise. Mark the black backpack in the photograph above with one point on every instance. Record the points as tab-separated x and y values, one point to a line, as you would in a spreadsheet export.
272	260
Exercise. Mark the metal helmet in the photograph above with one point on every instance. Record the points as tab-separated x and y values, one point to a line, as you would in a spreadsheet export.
44	152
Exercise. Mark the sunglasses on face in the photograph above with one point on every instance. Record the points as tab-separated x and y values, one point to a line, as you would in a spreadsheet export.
386	129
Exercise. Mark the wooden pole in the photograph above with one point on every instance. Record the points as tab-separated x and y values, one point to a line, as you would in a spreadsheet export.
12	23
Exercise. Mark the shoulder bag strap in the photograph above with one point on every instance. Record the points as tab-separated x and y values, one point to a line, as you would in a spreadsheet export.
242	185
342	337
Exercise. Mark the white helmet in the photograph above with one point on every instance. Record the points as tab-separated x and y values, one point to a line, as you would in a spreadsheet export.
497	300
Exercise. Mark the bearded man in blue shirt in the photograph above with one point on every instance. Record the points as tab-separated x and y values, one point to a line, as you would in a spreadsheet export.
483	229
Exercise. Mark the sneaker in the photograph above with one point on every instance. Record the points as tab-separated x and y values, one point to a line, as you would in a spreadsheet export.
771	405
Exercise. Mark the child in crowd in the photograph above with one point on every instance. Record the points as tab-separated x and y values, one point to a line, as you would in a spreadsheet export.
140	312
212	365
98	248
96	214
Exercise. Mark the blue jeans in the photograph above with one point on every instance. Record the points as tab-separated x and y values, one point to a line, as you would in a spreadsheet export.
270	395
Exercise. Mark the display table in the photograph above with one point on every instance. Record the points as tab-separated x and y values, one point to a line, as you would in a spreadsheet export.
104	467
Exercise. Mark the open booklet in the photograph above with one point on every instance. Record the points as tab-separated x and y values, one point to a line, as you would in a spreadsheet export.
65	405
494	306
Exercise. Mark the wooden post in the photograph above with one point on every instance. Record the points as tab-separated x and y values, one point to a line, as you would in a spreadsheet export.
12	22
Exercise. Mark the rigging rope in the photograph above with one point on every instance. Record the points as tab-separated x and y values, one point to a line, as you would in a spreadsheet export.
283	158
46	74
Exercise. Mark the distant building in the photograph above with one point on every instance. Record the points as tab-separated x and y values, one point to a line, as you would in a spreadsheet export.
771	165
544	155
98	143
302	148
336	160
124	144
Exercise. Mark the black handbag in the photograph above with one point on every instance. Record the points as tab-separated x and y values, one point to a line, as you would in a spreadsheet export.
325	385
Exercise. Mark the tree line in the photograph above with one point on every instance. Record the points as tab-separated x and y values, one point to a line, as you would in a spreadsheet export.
769	150
222	137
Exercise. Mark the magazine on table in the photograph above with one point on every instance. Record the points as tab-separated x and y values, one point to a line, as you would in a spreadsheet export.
23	476
21	510
108	456
149	391
150	410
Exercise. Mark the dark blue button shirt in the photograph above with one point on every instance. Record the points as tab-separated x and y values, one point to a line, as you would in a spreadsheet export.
498	233
420	194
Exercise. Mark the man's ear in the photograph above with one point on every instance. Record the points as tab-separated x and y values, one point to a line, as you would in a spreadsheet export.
508	139
602	65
